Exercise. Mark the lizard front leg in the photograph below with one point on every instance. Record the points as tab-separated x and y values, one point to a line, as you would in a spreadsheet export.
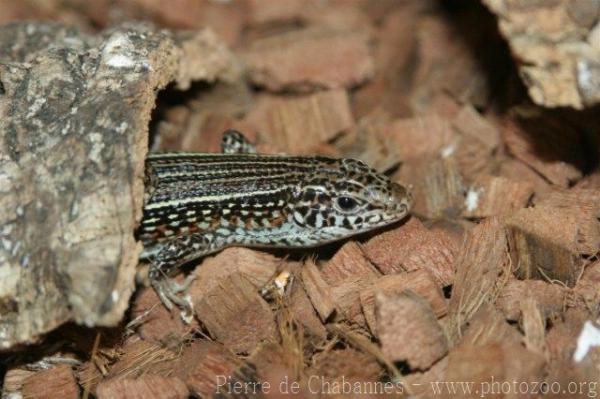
173	254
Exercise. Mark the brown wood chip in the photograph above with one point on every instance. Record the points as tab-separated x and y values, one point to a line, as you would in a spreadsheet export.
310	59
550	298
489	326
304	311
420	282
147	386
236	315
57	382
347	273
408	318
255	266
482	266
496	196
411	247
318	290
206	365
485	364
315	118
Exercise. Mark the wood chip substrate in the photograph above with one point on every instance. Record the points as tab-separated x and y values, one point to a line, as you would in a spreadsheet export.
490	288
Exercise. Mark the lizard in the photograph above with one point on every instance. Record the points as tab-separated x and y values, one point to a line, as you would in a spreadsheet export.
196	204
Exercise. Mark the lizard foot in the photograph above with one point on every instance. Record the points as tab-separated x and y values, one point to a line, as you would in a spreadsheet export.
168	291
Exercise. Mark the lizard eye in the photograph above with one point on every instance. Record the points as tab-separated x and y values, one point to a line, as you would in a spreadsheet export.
347	204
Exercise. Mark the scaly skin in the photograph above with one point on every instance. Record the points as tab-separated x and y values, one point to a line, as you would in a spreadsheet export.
197	204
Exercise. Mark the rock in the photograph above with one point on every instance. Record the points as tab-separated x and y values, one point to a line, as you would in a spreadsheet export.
75	111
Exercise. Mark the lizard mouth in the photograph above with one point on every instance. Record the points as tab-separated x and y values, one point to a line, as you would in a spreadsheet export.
400	201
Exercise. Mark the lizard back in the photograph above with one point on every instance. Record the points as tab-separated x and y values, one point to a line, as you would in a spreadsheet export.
264	200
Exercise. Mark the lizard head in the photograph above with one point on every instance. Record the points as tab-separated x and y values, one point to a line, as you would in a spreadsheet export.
344	197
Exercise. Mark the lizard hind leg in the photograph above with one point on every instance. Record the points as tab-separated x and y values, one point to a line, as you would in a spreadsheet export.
234	142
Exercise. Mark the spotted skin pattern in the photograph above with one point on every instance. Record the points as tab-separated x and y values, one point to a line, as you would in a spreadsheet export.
197	204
